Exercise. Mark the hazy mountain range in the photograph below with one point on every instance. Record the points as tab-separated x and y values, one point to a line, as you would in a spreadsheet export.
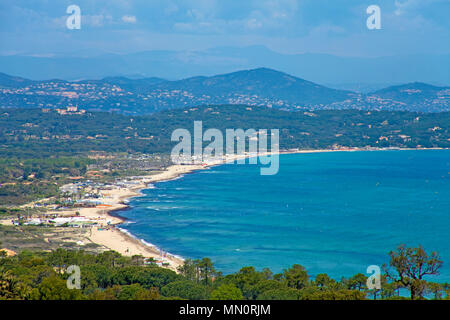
351	73
255	87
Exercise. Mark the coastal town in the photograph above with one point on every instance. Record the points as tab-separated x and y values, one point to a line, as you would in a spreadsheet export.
87	206
90	206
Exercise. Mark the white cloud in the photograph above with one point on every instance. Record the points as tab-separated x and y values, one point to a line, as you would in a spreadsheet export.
411	6
254	24
171	8
129	19
98	20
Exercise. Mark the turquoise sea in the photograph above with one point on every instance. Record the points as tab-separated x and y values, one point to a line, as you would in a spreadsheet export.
330	212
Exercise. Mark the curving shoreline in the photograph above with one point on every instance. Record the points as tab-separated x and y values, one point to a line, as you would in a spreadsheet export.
120	240
124	242
109	233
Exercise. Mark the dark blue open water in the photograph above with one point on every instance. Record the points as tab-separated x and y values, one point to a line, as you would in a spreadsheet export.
331	212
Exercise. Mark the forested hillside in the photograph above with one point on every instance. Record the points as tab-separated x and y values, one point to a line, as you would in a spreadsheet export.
31	133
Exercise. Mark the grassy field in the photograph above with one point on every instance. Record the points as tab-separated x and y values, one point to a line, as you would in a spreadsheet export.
39	238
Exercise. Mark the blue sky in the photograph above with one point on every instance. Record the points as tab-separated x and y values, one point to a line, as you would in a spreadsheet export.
37	27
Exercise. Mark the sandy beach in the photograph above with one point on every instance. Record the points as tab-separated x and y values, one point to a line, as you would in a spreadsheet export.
108	234
111	236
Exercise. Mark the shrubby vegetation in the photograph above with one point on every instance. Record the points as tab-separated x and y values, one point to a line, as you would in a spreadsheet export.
32	133
24	180
39	150
41	168
110	276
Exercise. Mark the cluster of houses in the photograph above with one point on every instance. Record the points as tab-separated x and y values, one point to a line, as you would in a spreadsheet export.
84	194
75	222
67	111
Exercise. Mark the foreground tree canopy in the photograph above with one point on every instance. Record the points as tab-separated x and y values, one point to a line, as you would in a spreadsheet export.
110	276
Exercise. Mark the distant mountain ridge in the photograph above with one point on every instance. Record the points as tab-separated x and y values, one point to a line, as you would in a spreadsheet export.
413	93
255	87
13	81
171	64
130	84
264	82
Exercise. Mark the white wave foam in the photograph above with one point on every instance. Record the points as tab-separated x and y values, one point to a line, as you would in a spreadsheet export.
163	208
172	179
148	244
